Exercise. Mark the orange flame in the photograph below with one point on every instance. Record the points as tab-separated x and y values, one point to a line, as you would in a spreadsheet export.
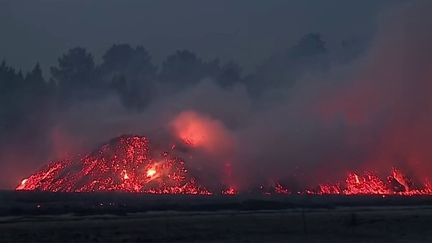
151	172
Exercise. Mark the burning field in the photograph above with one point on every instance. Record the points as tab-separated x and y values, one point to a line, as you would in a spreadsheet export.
132	164
363	128
124	164
325	137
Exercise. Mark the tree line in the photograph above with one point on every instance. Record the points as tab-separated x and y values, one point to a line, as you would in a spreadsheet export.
28	99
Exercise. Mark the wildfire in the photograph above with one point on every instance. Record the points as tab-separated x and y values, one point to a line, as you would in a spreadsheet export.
129	164
369	184
125	156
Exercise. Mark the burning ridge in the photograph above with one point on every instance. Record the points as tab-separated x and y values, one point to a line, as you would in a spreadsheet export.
129	164
124	164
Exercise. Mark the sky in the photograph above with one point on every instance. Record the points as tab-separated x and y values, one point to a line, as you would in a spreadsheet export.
246	31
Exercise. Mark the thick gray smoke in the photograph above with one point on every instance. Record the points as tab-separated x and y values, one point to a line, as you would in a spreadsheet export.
305	127
371	115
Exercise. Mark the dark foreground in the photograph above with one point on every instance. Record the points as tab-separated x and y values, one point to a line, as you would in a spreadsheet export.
41	217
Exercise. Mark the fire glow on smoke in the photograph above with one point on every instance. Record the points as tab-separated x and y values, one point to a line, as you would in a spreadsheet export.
128	164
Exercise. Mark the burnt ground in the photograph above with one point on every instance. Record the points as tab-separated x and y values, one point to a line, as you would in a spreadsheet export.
50	217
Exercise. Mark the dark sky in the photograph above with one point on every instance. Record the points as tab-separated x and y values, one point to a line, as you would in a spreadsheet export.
246	30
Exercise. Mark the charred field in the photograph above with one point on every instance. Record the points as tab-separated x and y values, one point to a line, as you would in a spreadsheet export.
135	217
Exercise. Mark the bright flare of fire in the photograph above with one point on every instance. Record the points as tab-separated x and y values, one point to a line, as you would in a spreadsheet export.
202	132
151	172
22	185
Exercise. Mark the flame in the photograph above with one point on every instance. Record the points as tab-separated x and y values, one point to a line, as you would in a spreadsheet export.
401	179
125	175
22	185
151	172
357	180
23	182
370	184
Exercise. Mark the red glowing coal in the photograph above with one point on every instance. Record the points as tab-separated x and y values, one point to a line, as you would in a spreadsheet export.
130	164
126	164
369	184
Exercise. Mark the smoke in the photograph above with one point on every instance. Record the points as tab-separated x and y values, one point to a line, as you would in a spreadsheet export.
372	114
387	104
202	132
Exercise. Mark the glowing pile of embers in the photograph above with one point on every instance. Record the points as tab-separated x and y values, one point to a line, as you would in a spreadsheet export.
124	164
127	164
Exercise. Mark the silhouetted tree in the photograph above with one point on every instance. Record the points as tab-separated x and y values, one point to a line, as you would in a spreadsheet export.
131	72
182	68
10	79
11	83
229	74
125	59
23	104
36	83
75	75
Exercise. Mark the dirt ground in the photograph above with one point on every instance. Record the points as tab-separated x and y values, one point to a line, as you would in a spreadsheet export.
341	224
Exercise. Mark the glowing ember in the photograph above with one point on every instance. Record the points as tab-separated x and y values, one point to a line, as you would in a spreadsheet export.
370	184
401	179
329	189
279	189
124	164
129	164
229	191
